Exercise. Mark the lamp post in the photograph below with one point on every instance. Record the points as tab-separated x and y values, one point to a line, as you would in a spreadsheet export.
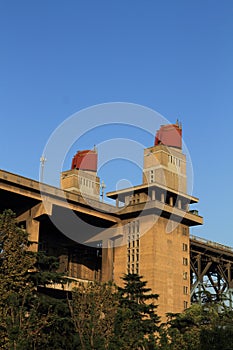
102	187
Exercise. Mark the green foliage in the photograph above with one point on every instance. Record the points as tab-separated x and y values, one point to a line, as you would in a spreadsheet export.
15	263
202	327
50	325
136	319
45	271
15	288
98	316
28	320
110	318
93	309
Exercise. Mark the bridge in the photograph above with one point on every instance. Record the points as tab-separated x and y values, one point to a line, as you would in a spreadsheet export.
211	271
211	264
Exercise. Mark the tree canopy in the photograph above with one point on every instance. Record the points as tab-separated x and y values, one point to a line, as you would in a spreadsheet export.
136	319
94	316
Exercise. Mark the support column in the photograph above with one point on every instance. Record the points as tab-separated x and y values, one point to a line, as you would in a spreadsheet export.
229	273
162	197
33	229
199	276
153	195
32	224
107	261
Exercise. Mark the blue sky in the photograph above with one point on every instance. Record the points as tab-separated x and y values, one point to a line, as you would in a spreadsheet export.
176	57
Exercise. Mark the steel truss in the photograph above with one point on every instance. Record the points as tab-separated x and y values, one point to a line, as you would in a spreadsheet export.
211	271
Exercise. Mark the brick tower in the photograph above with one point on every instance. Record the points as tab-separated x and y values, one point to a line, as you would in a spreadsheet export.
82	177
155	223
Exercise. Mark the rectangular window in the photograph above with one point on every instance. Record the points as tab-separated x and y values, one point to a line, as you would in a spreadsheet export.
185	275
185	290
151	176
185	247
185	261
133	243
185	304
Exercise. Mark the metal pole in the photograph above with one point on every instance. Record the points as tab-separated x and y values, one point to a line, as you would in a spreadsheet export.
42	161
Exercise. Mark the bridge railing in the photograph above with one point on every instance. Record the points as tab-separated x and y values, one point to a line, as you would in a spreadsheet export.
213	244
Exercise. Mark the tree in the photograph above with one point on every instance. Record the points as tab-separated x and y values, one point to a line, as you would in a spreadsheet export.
50	325
93	308
15	288
201	327
28	319
136	319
